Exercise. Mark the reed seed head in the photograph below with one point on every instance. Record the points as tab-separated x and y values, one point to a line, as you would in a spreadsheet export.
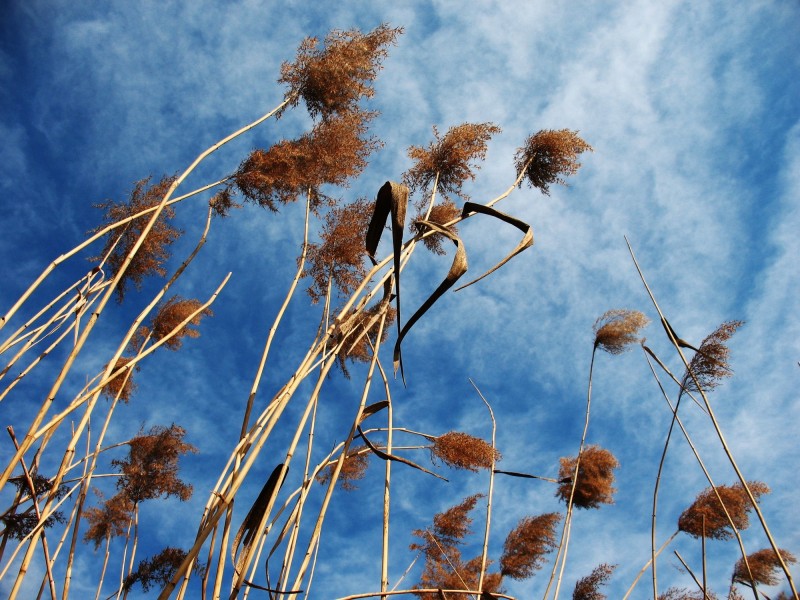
122	386
171	314
588	588
710	365
441	213
595	478
109	520
528	544
453	157
707	512
335	151
222	202
764	565
676	593
449	528
444	565
548	156
154	251
617	329
157	571
358	345
463	451
353	469
339	256
151	468
333	79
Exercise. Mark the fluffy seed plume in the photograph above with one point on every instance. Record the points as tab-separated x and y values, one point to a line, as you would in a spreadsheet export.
710	364
453	157
595	478
449	528
339	256
617	329
444	566
334	78
588	588
764	565
335	151
362	334
463	451
440	214
154	251
222	202
157	571
122	386
353	468
171	314
109	520
706	509
527	545
151	468
548	156
17	521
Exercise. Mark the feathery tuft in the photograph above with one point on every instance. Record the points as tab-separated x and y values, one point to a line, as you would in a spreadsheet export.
617	329
707	510
548	156
595	478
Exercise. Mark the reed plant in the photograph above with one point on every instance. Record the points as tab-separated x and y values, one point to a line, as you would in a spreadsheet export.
57	481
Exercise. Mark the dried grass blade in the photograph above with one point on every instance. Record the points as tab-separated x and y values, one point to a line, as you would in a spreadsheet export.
525	475
524	243
271	590
457	269
250	527
392	200
384	456
373	409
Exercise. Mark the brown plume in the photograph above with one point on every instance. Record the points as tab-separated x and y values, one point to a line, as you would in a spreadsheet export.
706	511
333	79
595	478
550	155
332	153
617	329
452	157
154	251
764	565
463	451
528	544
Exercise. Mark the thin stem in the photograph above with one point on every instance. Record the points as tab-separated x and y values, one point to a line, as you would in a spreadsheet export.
485	551
720	436
565	532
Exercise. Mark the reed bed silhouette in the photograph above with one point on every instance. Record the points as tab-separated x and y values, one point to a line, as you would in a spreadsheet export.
62	496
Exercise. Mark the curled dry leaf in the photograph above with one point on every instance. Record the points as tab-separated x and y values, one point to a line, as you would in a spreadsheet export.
524	243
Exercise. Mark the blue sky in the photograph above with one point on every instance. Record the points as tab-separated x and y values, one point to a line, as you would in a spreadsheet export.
693	113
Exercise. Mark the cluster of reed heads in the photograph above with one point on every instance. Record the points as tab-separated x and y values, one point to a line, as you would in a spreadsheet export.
62	494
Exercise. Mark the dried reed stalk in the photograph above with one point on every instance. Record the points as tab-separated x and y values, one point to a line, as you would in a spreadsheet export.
716	425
